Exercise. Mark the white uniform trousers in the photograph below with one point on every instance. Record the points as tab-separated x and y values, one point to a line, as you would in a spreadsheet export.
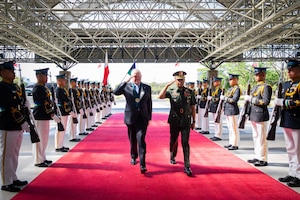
204	120
10	143
198	118
109	105
60	135
98	115
72	127
104	111
292	141
82	123
94	115
259	133
218	126
89	118
234	133
39	148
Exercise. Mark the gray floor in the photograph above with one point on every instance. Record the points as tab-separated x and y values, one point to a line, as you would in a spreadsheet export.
277	157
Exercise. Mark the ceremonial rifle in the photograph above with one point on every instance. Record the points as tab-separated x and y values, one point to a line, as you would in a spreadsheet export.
60	126
208	101
74	119
276	111
220	108
83	105
34	137
89	100
245	111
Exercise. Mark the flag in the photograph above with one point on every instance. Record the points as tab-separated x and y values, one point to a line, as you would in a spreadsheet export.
131	68
106	70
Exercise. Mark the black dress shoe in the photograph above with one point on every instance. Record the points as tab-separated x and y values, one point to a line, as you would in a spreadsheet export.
252	161
43	164
286	179
98	122
205	132
295	182
233	148
75	140
260	163
95	125
173	161
10	188
133	161
227	146
20	183
143	169
48	162
67	148
61	150
188	171
215	139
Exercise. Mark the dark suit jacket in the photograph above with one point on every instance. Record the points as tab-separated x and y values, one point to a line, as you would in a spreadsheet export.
132	110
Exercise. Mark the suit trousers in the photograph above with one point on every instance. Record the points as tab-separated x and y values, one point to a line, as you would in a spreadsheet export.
259	133
292	141
136	135
185	136
10	143
39	148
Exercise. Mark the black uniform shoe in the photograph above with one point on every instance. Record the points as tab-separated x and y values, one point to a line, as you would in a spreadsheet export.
143	169
286	179
61	150
133	161
253	160
205	132
20	183
98	122
295	182
227	146
48	162
75	140
10	188
173	161
215	139
260	163
95	125
233	148
43	164
188	171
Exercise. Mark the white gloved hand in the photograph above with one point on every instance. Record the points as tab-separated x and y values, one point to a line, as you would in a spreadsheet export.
56	118
198	96
27	104
222	97
73	114
25	127
248	98
81	111
278	101
209	98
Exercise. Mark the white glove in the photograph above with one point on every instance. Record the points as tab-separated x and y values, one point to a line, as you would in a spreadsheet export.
198	96
81	111
222	97
27	104
73	114
278	101
248	98
56	118
25	127
209	98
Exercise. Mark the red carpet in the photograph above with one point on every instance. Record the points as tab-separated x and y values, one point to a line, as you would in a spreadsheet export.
99	168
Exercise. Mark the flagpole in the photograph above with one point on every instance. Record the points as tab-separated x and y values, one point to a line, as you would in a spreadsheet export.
129	71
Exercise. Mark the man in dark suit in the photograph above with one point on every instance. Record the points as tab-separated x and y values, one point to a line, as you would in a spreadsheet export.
138	112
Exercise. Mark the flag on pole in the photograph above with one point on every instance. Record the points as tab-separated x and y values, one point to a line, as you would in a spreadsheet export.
106	70
131	68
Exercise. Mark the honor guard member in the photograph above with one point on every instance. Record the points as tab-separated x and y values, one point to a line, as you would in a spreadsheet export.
104	101
259	98
89	106
215	98
98	97
111	100
43	112
75	113
64	105
94	103
231	111
203	99
12	126
290	121
82	111
198	97
181	117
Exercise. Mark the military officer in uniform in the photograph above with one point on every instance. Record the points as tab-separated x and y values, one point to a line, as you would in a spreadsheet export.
64	105
43	112
215	99
290	121
181	118
259	99
231	111
82	111
12	126
203	100
198	98
98	97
